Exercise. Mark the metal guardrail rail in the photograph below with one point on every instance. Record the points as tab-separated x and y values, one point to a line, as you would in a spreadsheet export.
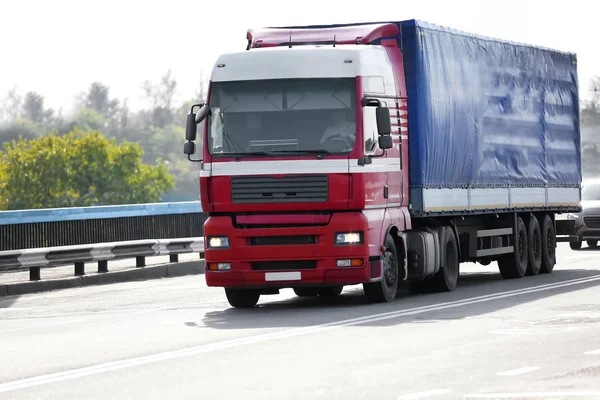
35	259
45	238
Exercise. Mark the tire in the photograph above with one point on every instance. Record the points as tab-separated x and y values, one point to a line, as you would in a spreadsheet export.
592	243
385	290
514	265
548	245
446	279
534	242
240	298
575	244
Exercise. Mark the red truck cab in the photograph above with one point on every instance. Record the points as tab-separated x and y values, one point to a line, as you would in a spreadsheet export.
304	164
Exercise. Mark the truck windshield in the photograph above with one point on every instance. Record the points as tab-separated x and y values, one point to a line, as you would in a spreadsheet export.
284	116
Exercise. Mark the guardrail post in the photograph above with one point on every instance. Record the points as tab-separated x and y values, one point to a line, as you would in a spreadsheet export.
79	268
102	266
34	274
174	258
140	261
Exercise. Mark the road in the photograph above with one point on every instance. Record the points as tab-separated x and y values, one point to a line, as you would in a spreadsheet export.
536	337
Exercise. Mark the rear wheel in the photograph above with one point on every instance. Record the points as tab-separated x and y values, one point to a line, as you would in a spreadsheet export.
592	243
515	265
446	278
548	245
534	236
385	290
575	244
240	298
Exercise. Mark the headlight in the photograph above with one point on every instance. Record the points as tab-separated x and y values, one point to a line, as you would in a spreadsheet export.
349	238
218	242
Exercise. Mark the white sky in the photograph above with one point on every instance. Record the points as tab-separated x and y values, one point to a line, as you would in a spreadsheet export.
58	48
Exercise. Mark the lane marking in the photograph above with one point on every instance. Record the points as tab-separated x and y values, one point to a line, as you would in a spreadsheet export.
531	395
422	395
518	371
288	333
593	352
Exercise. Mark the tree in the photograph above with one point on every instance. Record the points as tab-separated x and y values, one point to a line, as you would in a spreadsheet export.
75	170
160	96
33	107
11	109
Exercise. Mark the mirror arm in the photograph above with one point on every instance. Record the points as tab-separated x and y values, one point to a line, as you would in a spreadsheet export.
380	155
189	156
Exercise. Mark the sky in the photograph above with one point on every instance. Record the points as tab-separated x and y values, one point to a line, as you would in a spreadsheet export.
58	48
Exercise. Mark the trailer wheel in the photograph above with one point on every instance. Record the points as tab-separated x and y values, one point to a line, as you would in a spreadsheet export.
548	245
240	298
386	289
575	244
446	278
592	243
515	265
534	236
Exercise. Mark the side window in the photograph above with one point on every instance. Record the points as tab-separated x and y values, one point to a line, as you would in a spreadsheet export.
370	129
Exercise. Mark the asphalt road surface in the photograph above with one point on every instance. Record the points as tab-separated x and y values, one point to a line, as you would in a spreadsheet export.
536	337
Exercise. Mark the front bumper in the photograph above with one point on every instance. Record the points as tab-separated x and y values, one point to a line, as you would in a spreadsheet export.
283	257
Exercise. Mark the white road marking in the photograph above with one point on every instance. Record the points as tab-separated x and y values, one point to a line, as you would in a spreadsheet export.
288	333
422	395
593	352
531	395
518	371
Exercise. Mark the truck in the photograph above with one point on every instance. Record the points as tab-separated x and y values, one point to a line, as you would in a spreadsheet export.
382	154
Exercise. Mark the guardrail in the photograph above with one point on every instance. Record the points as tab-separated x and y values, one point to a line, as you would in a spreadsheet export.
45	238
35	259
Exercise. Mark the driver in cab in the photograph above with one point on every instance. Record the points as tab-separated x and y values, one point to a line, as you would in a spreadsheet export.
340	135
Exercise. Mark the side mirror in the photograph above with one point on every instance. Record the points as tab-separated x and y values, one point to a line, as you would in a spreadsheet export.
193	119
385	142
191	127
189	148
384	123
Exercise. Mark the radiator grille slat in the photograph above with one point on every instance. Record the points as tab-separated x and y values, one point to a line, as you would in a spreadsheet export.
268	189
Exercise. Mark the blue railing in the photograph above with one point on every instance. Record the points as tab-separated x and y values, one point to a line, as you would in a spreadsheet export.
101	212
57	227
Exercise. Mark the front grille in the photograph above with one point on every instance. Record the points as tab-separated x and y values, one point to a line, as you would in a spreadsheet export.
288	189
592	222
293	265
283	240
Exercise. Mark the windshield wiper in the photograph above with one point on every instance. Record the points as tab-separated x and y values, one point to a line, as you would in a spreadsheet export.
244	154
304	151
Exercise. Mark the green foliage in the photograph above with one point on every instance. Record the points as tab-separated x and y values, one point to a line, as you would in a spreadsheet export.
77	169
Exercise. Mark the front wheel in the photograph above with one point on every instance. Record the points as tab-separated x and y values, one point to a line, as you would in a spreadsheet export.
240	298
385	290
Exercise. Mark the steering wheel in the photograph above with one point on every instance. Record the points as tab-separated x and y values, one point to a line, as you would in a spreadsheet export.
330	142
